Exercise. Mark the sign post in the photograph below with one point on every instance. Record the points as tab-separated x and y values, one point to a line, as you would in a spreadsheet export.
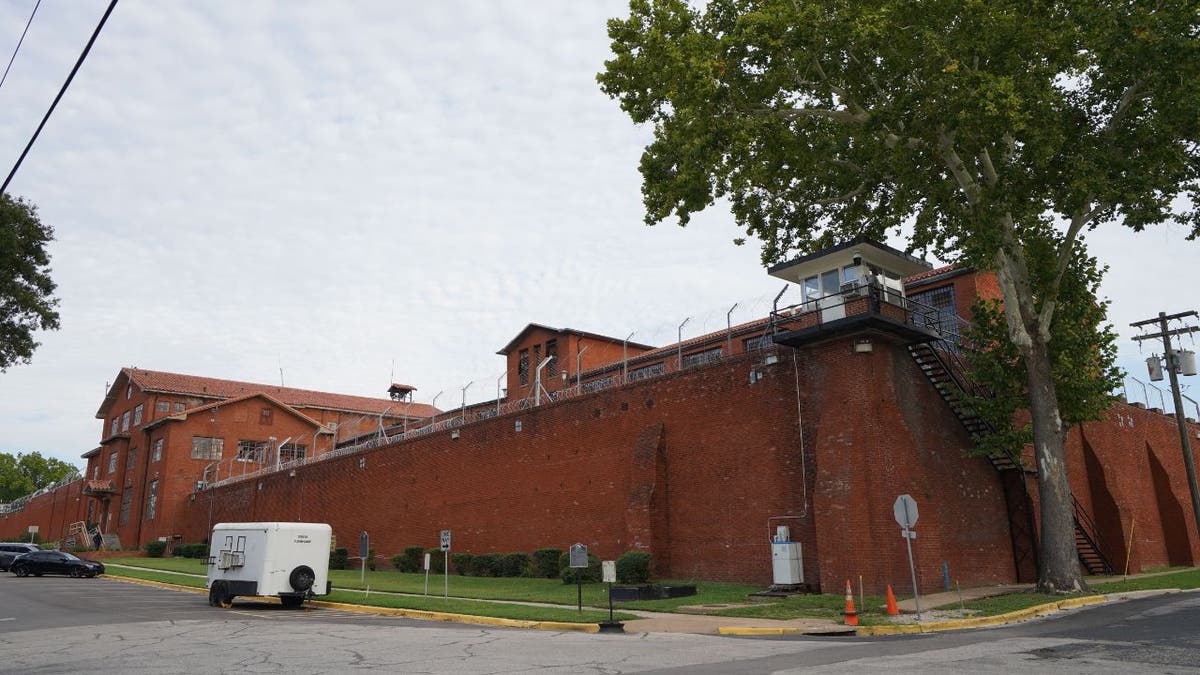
609	576
446	563
427	574
364	551
905	510
33	530
579	560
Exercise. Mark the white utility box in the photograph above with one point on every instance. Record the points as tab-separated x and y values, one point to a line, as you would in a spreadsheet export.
786	559
289	560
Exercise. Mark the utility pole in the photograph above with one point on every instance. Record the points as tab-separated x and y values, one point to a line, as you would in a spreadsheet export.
1171	364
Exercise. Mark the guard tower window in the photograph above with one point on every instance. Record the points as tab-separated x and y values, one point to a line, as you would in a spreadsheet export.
523	366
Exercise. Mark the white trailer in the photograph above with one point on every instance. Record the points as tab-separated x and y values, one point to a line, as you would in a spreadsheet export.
290	560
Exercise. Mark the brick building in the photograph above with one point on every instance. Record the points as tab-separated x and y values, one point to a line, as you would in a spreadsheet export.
815	417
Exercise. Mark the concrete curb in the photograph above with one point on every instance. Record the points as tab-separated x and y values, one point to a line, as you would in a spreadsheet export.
422	614
986	621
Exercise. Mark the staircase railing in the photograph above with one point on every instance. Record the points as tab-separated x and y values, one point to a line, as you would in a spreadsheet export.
1086	527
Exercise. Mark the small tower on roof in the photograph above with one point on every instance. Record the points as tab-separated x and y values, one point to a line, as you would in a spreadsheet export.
401	392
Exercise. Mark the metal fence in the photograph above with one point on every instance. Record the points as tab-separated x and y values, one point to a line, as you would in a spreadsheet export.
19	503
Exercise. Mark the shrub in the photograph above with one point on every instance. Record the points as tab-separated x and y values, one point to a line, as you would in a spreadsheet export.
486	565
633	567
370	561
437	561
462	562
411	560
339	558
515	565
587	575
199	551
545	562
155	549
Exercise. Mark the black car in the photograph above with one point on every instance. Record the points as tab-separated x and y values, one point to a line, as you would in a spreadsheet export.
12	549
54	562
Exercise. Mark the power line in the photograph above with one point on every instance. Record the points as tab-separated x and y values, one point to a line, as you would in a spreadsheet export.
18	48
61	91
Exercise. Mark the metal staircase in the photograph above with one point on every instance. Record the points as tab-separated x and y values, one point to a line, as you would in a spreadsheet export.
942	364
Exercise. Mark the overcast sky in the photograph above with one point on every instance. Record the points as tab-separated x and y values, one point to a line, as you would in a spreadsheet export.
330	188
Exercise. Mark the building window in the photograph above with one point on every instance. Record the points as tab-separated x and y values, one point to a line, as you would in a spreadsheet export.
291	452
162	406
938	308
126	502
523	366
647	371
597	384
96	472
251	451
266	416
113	429
130	459
128	391
756	343
112	462
158	443
125	421
700	358
207	448
552	351
137	416
151	500
178	407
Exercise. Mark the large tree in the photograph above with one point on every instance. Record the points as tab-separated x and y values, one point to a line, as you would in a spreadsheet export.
27	302
22	474
970	127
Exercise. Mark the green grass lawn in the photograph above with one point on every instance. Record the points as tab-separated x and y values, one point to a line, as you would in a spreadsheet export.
1186	578
808	606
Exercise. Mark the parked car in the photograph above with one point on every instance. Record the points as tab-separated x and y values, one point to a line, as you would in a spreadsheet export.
38	563
12	549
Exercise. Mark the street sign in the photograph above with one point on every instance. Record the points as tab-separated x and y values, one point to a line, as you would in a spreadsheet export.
364	546
579	555
608	570
905	510
445	540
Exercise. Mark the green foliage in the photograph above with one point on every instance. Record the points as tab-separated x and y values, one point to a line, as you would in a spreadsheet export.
633	567
370	561
437	560
339	558
197	551
25	474
155	549
462	563
409	561
545	563
515	565
27	302
588	575
1082	352
486	565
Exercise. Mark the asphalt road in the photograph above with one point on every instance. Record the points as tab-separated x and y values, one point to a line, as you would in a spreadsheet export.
59	625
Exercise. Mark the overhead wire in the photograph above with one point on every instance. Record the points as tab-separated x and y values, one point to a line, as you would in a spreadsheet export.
63	90
18	47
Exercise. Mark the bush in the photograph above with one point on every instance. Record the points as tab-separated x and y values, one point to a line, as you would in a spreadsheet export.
155	549
515	565
437	561
199	550
587	575
462	562
545	563
339	558
633	567
411	560
370	561
486	565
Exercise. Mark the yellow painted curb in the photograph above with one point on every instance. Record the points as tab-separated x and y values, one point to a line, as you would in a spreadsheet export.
754	630
985	621
394	611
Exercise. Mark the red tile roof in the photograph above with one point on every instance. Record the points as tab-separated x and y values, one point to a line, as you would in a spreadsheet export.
211	387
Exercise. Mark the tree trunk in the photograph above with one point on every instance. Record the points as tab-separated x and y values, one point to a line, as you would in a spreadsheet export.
1059	569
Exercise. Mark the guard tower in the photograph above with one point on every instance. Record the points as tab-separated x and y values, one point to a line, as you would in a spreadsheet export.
851	287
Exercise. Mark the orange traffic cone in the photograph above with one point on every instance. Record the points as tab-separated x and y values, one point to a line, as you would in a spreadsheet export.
892	609
850	614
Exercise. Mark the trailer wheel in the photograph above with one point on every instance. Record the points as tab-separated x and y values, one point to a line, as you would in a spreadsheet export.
302	578
291	601
218	595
